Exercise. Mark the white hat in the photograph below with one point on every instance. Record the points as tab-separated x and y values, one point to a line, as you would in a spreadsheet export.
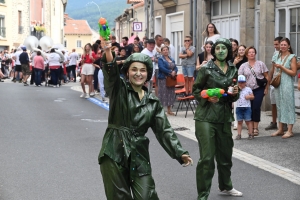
241	78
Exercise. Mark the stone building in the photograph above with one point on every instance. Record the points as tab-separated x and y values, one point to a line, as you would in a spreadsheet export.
21	18
251	22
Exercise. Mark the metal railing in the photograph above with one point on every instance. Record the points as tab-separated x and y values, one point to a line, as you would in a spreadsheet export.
3	31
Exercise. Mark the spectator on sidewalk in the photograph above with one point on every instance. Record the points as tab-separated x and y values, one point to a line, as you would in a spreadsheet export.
166	67
243	108
285	63
171	48
18	69
136	48
127	47
211	34
187	54
114	42
121	59
204	57
126	171
251	70
235	45
157	54
213	118
39	67
25	64
273	124
149	51
73	58
136	42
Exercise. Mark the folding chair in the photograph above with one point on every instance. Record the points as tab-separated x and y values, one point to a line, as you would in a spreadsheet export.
187	102
180	81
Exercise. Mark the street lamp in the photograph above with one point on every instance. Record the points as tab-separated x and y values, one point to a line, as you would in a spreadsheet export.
92	2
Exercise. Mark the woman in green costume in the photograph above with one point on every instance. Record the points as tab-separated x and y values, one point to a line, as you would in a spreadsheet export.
124	157
213	119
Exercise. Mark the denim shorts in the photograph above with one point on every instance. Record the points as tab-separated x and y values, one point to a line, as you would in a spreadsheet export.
188	70
243	113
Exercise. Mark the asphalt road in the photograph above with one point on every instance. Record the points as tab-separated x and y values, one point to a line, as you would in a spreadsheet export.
49	143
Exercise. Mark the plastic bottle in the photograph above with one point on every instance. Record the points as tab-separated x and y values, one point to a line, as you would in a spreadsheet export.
231	88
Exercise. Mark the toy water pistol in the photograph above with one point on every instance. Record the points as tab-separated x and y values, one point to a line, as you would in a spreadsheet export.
215	92
104	29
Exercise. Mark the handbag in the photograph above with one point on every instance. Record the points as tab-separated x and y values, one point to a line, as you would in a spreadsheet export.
171	81
260	82
276	81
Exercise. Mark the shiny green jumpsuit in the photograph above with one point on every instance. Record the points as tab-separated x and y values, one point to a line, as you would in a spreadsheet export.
213	128
124	156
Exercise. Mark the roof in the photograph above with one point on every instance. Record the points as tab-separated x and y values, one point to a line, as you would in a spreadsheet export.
134	1
77	27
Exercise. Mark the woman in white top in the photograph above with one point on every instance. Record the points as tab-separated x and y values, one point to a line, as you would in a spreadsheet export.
211	34
54	66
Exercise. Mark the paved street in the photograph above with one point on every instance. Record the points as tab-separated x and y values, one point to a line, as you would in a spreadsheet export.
50	139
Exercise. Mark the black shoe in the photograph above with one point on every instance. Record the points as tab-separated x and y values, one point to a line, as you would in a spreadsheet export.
1	80
272	126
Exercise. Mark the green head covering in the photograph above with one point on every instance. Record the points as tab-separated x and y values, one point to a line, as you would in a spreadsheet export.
227	43
138	57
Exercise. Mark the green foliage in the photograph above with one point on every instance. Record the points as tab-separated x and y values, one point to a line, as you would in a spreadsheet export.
110	9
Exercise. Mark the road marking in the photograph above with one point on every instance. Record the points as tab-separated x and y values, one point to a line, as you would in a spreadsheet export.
273	168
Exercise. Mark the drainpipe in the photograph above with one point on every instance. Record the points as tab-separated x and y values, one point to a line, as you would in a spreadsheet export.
147	18
152	19
191	18
195	23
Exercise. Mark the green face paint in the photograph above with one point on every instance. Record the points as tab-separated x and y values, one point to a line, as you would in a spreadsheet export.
221	52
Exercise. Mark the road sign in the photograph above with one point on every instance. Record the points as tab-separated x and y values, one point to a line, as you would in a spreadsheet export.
137	27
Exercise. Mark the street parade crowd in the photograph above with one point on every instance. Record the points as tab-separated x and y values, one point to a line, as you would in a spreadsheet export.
226	81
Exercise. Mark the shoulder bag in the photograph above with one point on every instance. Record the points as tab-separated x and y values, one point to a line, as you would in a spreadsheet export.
171	81
260	82
276	81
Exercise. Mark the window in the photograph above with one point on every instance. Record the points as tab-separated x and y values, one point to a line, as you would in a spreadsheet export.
78	43
20	31
2	26
282	23
225	7
295	30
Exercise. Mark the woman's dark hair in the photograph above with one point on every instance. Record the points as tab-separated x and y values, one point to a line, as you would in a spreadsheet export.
228	45
133	46
95	48
247	50
52	50
287	40
235	52
215	29
38	53
206	43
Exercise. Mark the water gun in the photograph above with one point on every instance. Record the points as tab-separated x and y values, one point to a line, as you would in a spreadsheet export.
104	29
215	92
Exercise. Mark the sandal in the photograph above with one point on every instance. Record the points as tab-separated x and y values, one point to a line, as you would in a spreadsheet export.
250	137
171	113
255	132
277	133
238	137
287	135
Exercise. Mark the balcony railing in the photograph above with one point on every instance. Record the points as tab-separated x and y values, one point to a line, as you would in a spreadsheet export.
168	3
2	1
21	29
3	32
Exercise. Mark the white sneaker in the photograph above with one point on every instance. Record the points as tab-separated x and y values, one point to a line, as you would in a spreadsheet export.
82	95
104	100
235	128
87	96
92	94
57	85
54	85
232	192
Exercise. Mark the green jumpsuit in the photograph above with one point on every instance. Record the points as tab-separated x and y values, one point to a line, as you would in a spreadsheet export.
124	156
213	128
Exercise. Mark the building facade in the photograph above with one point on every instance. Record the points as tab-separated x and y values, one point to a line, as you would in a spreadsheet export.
22	18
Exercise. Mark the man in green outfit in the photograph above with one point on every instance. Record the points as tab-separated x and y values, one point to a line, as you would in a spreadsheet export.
124	156
213	119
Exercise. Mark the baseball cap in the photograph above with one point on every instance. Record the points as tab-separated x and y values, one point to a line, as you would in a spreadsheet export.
241	78
151	41
23	48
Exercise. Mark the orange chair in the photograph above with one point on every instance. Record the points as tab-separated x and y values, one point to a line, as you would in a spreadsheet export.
154	82
187	102
180	81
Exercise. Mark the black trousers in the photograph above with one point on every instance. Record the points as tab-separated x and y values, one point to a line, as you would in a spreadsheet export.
32	77
72	69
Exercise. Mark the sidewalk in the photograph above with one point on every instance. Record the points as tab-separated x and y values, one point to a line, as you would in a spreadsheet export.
273	154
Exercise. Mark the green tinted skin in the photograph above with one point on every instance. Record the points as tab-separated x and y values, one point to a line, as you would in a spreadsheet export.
221	53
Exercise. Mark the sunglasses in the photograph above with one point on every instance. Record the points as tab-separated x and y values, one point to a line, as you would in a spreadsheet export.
187	40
